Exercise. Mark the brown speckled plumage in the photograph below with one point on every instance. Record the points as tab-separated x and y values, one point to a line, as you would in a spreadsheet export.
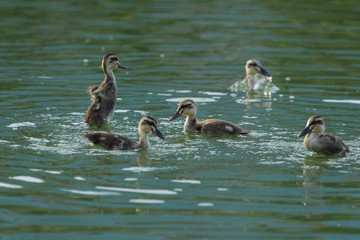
212	126
102	108
317	141
110	141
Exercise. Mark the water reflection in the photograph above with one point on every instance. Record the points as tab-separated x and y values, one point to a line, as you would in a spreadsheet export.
142	158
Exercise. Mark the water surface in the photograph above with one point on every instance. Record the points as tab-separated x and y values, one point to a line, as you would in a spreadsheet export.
54	184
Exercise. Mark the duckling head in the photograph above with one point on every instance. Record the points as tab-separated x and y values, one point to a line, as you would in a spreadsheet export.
254	67
110	62
148	125
186	107
315	124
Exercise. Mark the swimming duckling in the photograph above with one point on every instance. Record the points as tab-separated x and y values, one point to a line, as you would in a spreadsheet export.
315	140
102	108
213	126
253	67
109	141
257	79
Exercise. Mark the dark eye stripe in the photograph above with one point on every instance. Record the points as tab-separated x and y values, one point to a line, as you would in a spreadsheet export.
317	122
149	123
187	106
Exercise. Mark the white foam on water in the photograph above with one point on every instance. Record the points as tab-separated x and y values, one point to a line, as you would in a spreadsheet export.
241	101
140	169
146	201
53	172
214	93
178	91
196	99
130	179
8	185
141	112
222	189
91	193
183	91
21	124
186	181
342	101
121	111
133	190
27	179
205	204
79	178
77	113
46	171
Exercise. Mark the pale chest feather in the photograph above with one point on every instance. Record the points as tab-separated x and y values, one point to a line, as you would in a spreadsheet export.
312	142
190	125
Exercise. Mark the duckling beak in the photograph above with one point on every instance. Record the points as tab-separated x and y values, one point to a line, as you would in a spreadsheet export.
176	115
120	65
158	133
304	132
262	71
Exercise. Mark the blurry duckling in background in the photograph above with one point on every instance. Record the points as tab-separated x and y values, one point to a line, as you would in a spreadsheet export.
253	67
317	141
101	110
188	108
257	79
109	141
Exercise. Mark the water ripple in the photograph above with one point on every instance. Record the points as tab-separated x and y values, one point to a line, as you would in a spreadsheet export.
132	190
92	193
8	185
27	179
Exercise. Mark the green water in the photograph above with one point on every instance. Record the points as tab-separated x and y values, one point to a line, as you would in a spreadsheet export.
55	185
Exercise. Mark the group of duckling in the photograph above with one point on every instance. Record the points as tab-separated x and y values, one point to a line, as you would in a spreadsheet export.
101	112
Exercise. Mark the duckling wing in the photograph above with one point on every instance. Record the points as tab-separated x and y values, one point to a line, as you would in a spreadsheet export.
93	114
332	144
217	126
94	91
111	141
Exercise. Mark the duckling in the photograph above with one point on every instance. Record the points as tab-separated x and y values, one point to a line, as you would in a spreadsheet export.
102	108
252	68
109	141
212	126
257	79
315	140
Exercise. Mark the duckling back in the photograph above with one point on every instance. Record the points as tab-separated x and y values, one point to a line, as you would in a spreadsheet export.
326	144
111	141
101	110
217	127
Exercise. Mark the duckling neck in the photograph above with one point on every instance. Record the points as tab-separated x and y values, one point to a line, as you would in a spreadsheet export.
191	123
144	140
109	77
